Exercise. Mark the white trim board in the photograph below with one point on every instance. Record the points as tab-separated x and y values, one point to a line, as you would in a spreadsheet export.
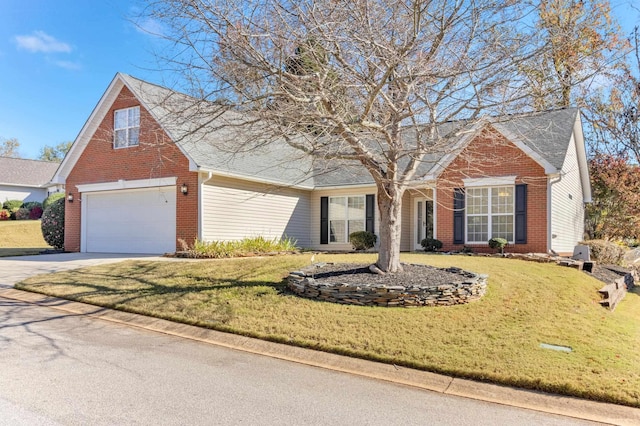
127	184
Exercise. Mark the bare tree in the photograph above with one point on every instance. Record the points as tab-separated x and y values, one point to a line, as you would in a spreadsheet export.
9	148
365	81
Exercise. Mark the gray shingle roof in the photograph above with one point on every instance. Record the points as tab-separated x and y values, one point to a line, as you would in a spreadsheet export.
210	138
21	172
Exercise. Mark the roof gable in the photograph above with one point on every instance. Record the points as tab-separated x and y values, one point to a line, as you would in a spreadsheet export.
207	135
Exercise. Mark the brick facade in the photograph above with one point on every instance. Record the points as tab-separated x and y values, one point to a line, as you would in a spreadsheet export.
156	156
491	155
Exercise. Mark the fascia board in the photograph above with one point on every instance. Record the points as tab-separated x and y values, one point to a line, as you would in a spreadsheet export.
578	139
253	179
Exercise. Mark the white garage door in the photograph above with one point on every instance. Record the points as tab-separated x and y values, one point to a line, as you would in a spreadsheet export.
132	221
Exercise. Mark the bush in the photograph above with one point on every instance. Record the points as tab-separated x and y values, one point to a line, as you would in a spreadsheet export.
12	205
605	252
53	224
241	248
5	214
498	243
431	244
31	204
35	213
362	240
22	214
52	198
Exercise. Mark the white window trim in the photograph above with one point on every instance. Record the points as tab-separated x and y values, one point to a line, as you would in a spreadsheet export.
126	128
346	219
127	184
489	215
489	181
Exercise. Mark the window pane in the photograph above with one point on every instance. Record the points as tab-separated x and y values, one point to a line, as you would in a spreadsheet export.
336	231
477	228
336	207
134	117
502	199
477	201
356	226
502	227
133	136
120	119
356	208
121	138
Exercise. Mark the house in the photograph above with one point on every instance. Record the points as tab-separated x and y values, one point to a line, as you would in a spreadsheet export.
142	180
26	180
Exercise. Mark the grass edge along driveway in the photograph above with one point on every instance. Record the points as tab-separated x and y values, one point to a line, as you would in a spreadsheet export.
496	339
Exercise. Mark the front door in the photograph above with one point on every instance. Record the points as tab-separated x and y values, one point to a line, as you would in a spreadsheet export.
423	221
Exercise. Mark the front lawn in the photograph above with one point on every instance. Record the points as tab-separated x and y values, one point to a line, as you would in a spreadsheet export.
496	339
21	237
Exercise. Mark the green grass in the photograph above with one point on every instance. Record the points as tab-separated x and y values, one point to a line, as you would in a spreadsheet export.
496	339
21	237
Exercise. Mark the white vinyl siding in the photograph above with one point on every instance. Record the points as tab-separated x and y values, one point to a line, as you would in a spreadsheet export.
10	192
567	207
234	209
126	127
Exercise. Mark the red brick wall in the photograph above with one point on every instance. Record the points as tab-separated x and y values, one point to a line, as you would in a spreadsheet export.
491	155
156	156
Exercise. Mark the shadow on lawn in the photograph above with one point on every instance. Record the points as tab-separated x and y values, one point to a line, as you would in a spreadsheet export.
115	288
21	251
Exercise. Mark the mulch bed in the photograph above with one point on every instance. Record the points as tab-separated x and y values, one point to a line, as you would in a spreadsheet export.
412	275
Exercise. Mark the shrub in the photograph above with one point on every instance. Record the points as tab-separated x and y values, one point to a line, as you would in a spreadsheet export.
53	224
498	243
362	240
605	252
467	250
244	247
22	214
35	213
51	198
431	244
5	214
12	205
31	204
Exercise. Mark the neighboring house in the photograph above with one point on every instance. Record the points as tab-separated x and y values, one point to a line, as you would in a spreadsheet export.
26	180
142	180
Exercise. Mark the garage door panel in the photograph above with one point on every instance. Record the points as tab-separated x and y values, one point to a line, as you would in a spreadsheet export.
136	221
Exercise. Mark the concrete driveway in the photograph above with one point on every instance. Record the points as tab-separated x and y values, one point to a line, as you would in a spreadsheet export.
16	269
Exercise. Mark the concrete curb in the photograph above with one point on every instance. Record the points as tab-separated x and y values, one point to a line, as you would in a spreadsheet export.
548	403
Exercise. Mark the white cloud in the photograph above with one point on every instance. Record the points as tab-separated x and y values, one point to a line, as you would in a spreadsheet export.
149	26
40	41
69	65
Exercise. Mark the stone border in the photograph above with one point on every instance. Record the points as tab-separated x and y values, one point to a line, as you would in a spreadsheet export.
469	288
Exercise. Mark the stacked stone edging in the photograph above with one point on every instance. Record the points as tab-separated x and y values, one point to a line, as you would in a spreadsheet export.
470	287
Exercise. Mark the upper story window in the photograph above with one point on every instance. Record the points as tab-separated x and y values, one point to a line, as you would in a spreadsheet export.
490	214
126	127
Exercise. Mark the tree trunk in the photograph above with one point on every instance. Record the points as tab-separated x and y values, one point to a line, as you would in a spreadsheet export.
390	206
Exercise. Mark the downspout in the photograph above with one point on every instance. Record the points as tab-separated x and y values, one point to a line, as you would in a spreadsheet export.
550	182
202	179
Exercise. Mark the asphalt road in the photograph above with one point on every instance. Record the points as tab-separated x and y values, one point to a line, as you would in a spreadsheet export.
61	368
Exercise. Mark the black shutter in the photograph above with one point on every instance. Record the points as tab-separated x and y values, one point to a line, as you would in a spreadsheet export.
521	214
370	214
458	216
324	220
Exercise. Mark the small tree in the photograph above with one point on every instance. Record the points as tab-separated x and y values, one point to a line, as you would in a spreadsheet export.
498	243
53	224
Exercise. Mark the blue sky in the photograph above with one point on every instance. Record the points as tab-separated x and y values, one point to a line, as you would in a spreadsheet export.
58	57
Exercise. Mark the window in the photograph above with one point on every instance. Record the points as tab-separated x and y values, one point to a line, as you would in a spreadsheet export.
346	215
126	127
490	214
